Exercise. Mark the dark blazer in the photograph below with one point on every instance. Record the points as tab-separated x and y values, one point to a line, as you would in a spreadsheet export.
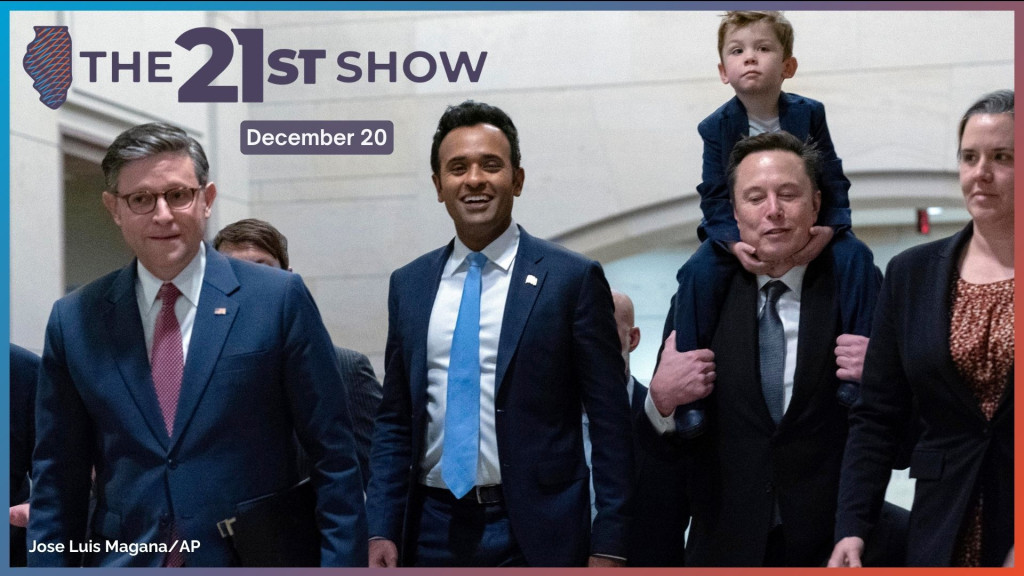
558	349
744	463
959	451
660	509
260	368
24	372
364	394
800	116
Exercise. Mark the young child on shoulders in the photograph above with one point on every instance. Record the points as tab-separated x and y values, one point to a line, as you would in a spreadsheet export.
756	55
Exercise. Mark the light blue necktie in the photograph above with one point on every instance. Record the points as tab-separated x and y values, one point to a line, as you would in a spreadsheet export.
462	415
772	342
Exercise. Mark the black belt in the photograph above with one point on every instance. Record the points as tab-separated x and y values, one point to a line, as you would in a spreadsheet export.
490	494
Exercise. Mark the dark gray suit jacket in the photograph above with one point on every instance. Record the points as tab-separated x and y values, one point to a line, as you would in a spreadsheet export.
364	394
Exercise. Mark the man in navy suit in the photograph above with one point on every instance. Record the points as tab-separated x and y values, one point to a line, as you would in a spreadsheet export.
260	242
181	382
541	343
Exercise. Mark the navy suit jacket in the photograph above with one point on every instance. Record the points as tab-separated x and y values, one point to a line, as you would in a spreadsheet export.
909	362
558	350
801	117
260	369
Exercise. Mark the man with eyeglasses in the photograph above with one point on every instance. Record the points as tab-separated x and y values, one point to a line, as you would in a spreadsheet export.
180	382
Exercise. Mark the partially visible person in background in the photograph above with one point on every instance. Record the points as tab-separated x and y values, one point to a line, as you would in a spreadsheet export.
24	374
260	242
660	508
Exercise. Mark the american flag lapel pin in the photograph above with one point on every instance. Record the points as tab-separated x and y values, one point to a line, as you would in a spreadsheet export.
220	311
531	279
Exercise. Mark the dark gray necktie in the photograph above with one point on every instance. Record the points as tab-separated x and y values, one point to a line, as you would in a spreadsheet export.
772	342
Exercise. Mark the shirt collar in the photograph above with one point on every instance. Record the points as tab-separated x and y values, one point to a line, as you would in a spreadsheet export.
189	281
501	252
793	279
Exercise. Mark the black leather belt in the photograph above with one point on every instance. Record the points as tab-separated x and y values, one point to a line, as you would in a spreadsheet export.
490	494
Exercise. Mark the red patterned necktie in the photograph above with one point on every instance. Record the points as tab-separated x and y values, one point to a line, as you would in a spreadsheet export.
168	359
168	364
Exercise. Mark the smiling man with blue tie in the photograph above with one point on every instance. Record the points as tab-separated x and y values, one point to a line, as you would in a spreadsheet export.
180	383
495	342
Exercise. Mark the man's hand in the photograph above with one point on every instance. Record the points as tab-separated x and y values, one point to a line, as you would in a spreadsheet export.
602	562
682	377
850	352
19	515
747	255
383	554
847	553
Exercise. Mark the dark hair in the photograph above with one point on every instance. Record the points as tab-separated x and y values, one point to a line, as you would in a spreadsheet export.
998	102
471	113
258	234
781	140
743	18
148	140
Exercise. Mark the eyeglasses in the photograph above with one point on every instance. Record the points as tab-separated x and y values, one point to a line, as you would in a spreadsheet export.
144	201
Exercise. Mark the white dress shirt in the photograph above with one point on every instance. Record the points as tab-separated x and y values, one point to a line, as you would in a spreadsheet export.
789	312
189	282
495	280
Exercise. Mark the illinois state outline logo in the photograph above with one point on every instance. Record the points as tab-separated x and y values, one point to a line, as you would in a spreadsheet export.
48	62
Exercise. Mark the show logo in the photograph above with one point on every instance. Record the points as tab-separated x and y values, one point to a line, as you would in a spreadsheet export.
48	62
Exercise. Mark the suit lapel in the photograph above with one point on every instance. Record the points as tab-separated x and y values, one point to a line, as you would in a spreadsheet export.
639	396
794	119
214	316
736	125
737	352
519	303
939	291
421	304
816	336
128	344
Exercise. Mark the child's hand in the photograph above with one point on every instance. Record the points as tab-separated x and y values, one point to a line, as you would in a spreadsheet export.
747	255
820	237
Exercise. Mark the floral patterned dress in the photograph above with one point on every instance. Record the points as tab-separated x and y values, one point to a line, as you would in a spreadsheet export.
981	343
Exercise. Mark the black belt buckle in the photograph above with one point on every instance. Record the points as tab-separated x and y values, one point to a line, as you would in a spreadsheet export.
490	494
